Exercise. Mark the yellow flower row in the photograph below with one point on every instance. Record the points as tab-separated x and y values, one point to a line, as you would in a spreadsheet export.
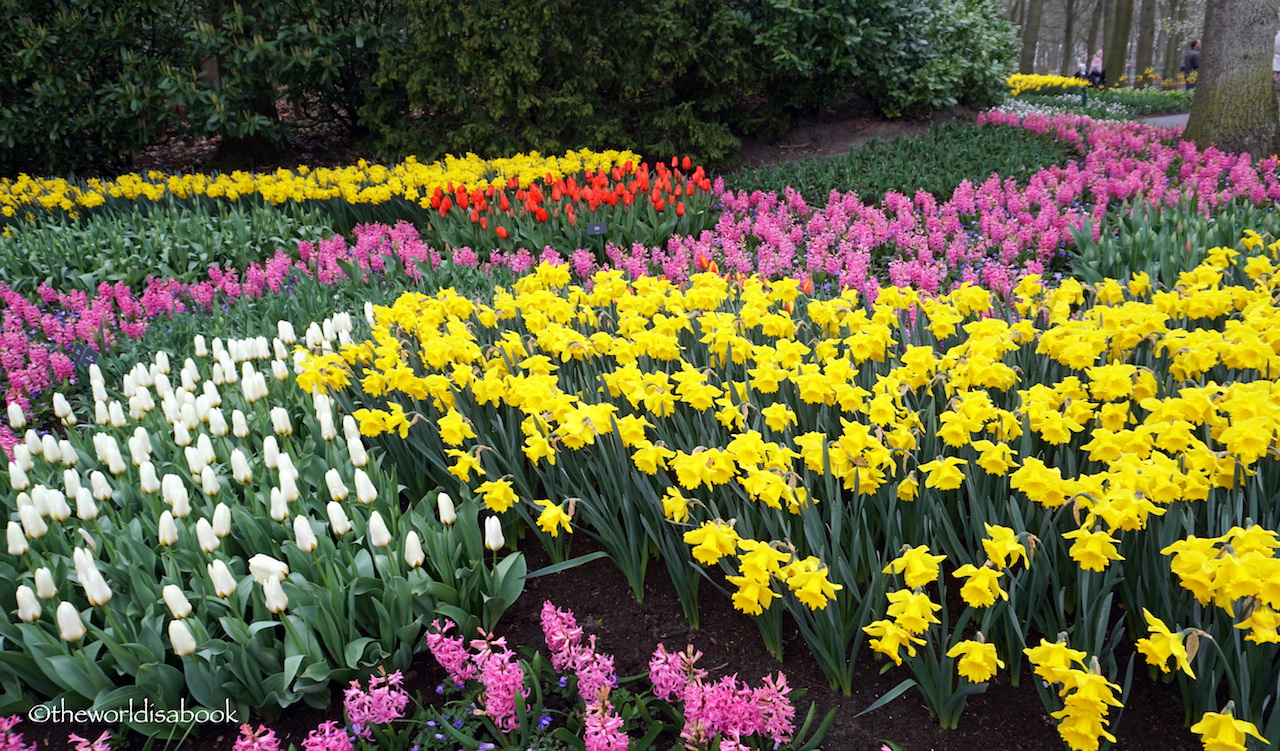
362	183
1021	83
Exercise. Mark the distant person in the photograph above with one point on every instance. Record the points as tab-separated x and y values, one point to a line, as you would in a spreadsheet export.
1081	74
1096	76
1191	64
1275	63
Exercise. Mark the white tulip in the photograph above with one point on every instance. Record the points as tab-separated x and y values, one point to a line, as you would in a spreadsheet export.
161	385
181	639
18	477
49	446
98	483
32	439
147	481
221	520
33	525
204	444
174	492
279	370
365	492
239	426
224	584
217	423
17	420
22	457
100	414
17	540
22	500
328	431
338	520
70	457
115	411
71	482
45	588
162	362
28	607
279	506
448	514
413	554
208	541
59	510
211	391
143	375
178	603
284	330
95	587
168	531
284	465
99	391
217	377
303	535
369	315
337	488
289	488
201	349
270	452
278	349
88	539
61	407
280	421
379	535
240	470
209	482
493	539
350	428
356	452
115	462
265	567
181	436
277	601
70	627
86	508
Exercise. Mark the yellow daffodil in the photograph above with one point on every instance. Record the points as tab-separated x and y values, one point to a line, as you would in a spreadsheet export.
917	565
978	661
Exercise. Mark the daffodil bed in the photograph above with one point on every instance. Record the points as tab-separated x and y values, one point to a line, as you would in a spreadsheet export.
954	477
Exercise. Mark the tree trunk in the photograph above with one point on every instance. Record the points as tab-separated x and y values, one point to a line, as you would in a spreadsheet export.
1173	48
1068	40
1235	104
1030	36
1145	56
1095	24
1116	50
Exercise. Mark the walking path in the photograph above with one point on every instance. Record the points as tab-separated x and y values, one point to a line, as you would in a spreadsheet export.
1176	120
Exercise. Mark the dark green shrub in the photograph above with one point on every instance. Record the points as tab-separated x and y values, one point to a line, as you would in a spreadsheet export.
494	78
935	162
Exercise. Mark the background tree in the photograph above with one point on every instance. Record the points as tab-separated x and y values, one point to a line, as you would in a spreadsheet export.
1144	60
1030	36
1235	105
1115	49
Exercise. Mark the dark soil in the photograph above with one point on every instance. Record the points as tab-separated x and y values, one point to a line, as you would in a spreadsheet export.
1004	718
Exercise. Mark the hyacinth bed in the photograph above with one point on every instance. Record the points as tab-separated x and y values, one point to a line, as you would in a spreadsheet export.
902	430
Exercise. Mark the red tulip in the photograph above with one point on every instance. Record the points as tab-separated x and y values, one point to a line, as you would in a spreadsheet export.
502	232
680	208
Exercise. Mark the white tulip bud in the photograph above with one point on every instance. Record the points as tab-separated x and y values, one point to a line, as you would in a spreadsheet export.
33	525
115	412
99	390
181	639
174	492
277	601
270	452
240	470
413	554
285	331
17	540
265	567
147	481
70	627
168	533
365	492
211	391
61	407
217	377
350	428
115	462
288	488
162	362
209	542
49	446
355	450
493	534
284	465
18	477
178	603
17	420
328	431
239	426
303	535
279	370
224	584
32	439
448	514
338	520
70	457
59	510
181	436
98	483
88	539
22	457
279	350
337	488
217	423
379	535
280	421
28	606
221	520
40	500
71	482
100	414
279	506
209	482
45	588
95	587
161	385
201	349
86	508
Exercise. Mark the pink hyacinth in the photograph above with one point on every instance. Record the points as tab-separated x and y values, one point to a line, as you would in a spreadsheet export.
602	728
383	702
450	652
328	737
261	739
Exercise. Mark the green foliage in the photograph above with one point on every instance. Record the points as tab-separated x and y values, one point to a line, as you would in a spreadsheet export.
1164	242
935	162
81	83
160	240
494	78
1107	104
